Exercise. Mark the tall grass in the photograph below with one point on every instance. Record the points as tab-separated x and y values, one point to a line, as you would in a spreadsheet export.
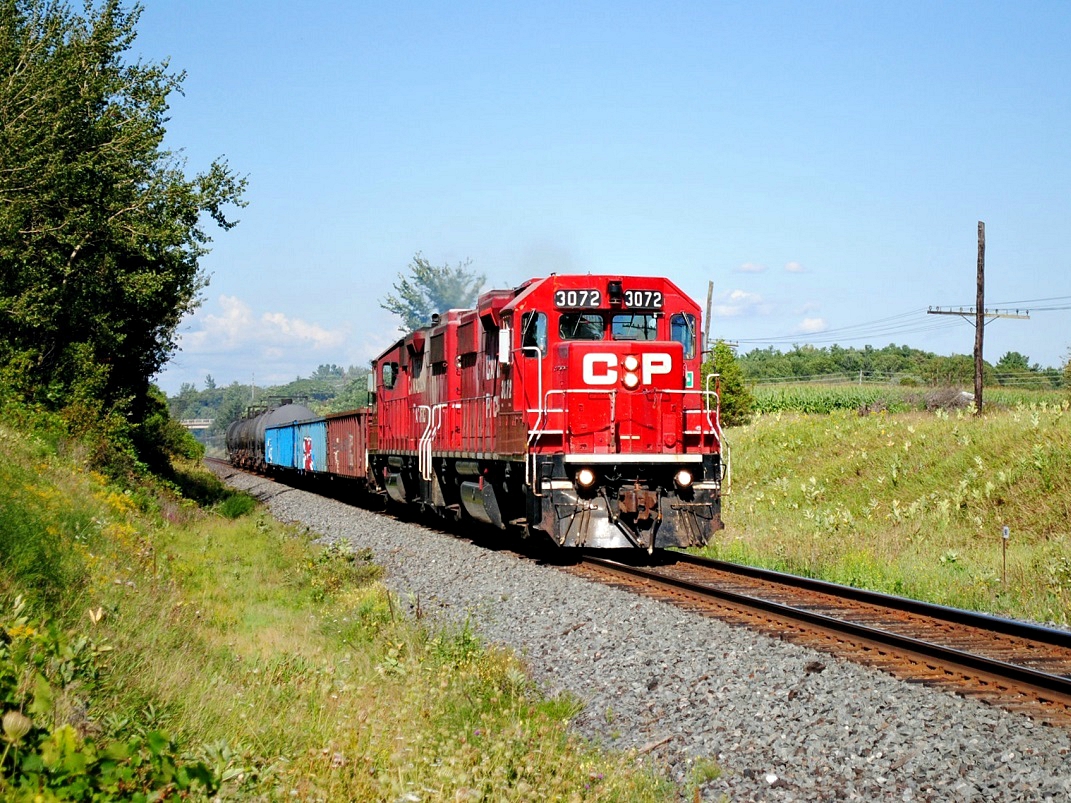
912	503
151	647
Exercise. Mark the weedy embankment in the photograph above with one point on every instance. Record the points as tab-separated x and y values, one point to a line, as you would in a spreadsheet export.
911	503
149	647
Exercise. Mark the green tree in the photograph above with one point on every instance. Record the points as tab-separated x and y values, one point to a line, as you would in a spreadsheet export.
331	371
101	230
1013	361
430	289
353	395
737	401
233	403
1014	369
955	371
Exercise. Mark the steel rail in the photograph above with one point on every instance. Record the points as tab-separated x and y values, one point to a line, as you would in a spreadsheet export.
1056	684
959	616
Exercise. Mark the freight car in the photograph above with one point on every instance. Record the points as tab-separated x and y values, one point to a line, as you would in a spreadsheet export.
570	406
245	437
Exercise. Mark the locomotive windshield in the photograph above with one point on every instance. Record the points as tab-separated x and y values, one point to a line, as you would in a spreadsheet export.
623	326
581	326
634	326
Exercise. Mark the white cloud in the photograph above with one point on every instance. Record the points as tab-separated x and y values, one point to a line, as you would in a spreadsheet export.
738	303
232	342
794	267
809	326
276	324
751	267
236	327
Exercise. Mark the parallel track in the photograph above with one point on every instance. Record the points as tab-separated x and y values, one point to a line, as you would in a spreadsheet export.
1019	666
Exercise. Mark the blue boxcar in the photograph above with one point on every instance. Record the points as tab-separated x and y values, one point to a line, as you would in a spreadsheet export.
301	445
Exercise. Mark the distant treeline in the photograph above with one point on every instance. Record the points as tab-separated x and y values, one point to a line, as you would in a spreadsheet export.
894	364
330	389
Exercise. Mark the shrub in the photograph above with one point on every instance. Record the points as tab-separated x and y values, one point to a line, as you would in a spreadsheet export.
46	677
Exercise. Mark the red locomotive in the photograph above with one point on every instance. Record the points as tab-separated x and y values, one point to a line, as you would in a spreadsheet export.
570	406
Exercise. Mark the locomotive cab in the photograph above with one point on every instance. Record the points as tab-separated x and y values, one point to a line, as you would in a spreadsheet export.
623	447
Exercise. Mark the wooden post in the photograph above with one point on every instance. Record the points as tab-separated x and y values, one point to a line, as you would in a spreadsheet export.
979	326
710	295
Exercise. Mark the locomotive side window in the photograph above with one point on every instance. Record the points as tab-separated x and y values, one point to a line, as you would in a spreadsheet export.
581	326
634	326
682	329
534	333
390	374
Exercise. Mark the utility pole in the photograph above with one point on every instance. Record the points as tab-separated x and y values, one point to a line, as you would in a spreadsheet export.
710	295
979	314
979	321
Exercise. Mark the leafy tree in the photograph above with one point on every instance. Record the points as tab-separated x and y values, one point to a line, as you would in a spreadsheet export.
955	371
233	403
430	289
809	362
331	371
1014	369
1012	362
352	396
100	228
737	401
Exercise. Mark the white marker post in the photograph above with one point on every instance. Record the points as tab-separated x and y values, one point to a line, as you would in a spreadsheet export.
1007	535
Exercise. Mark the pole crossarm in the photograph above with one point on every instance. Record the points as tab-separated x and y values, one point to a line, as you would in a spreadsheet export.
969	313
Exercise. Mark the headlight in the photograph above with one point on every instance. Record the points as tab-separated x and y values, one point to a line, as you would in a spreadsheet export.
585	478
631	381
632	362
684	478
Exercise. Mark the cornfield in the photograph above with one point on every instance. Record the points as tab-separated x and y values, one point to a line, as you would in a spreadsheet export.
823	399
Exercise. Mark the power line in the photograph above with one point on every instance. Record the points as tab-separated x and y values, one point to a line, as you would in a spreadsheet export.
908	323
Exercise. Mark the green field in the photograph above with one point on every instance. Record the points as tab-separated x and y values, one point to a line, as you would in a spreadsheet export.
911	503
822	397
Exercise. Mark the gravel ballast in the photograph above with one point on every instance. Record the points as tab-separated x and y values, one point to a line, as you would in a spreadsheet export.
782	721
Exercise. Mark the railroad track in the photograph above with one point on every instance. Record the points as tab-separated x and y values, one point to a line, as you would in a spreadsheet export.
1018	666
1021	667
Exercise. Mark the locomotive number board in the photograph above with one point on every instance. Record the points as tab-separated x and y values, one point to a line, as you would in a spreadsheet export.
592	299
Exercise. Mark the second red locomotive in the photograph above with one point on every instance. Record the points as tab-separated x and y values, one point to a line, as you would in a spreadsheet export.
570	406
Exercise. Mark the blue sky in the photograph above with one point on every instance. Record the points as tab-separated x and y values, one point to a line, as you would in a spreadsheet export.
824	164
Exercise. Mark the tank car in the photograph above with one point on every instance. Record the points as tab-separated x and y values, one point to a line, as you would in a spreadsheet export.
570	406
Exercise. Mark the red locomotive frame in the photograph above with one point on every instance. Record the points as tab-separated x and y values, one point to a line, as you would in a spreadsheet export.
570	406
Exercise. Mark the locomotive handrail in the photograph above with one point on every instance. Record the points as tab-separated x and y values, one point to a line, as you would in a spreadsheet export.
435	419
726	462
423	436
535	433
715	428
539	385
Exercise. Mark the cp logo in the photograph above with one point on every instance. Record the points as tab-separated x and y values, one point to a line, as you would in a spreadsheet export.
606	369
